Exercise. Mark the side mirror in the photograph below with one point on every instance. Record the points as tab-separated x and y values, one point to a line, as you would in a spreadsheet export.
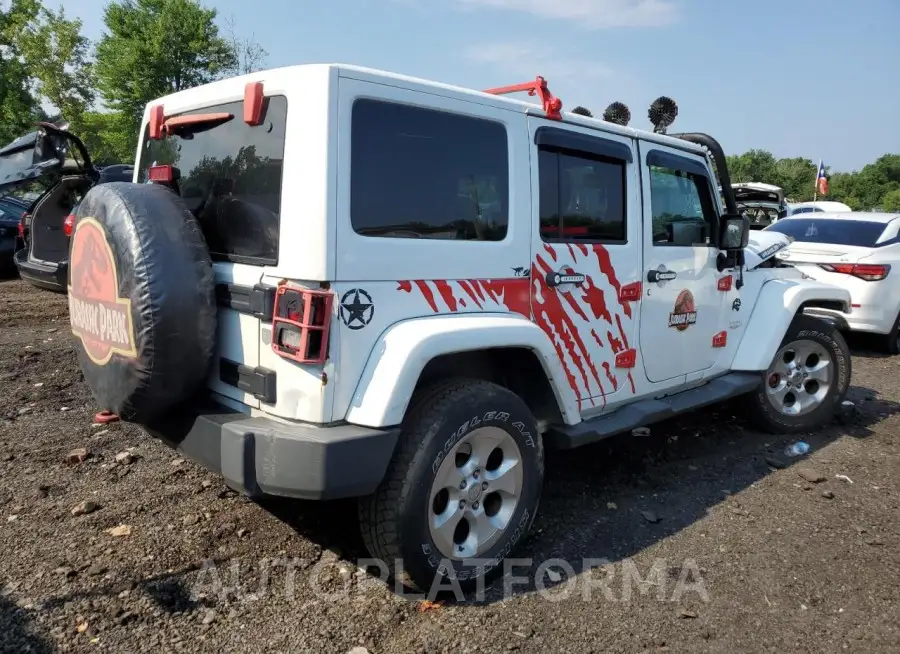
734	232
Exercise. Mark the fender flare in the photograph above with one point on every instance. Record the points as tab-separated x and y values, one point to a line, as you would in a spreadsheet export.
404	349
778	302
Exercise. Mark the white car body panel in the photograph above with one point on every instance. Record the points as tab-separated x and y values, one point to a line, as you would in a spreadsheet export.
875	305
431	297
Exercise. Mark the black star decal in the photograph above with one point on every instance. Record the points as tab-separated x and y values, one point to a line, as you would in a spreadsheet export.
357	308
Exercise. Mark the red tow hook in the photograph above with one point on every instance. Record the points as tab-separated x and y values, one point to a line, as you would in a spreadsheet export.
105	417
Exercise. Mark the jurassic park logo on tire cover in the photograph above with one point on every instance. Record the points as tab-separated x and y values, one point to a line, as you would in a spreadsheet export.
100	318
684	313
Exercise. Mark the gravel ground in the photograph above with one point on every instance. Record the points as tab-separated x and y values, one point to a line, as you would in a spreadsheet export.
729	549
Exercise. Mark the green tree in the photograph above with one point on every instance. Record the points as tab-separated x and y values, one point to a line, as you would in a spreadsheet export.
153	48
753	166
797	176
56	57
19	108
891	201
107	137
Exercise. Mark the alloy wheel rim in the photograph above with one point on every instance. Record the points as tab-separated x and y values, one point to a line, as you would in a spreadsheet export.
475	493
800	377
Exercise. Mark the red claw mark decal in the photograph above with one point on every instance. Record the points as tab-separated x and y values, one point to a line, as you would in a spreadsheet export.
589	323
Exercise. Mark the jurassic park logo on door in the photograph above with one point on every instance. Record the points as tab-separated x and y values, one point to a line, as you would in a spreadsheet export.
684	314
99	317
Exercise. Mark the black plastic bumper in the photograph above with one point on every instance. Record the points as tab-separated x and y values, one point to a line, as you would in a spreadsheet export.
260	456
46	275
7	248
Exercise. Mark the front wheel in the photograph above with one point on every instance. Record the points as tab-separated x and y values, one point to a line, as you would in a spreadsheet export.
462	489
806	381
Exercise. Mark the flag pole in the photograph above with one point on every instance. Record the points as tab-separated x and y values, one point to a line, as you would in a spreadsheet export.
816	187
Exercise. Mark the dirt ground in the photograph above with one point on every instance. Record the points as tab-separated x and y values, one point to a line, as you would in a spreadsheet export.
711	543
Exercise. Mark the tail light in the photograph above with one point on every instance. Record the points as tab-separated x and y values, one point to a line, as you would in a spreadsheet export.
300	325
868	272
69	224
22	227
161	174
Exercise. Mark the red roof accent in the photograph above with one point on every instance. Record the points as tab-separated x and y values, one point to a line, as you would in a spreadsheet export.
551	104
253	103
195	119
157	120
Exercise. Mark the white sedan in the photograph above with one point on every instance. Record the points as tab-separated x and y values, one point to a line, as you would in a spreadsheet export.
858	251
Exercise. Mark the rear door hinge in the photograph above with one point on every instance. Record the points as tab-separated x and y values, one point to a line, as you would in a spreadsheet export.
259	382
258	300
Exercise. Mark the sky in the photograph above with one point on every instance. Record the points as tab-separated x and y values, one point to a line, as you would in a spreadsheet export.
800	78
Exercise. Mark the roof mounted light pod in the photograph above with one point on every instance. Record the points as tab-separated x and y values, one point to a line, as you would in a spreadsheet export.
551	104
662	114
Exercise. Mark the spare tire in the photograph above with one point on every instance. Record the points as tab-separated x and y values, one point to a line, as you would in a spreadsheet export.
141	299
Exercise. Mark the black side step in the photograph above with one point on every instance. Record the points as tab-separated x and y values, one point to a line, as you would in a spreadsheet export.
645	412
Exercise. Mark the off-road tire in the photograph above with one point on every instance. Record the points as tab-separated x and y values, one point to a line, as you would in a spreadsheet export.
767	418
394	520
145	249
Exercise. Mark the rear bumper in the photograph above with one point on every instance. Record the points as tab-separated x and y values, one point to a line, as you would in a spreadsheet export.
259	456
50	276
857	321
7	249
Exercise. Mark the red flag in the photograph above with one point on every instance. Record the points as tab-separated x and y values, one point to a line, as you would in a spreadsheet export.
821	180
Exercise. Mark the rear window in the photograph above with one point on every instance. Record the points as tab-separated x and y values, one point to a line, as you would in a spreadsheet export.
230	178
423	173
831	230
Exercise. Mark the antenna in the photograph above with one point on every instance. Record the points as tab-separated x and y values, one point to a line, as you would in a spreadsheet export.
551	104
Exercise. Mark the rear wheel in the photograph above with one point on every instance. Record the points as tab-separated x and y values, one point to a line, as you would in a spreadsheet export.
462	488
806	381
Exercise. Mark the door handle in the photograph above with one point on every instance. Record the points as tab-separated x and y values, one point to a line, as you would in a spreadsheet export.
555	279
656	276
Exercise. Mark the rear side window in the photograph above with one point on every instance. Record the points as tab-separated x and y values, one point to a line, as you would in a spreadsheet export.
423	173
835	231
230	178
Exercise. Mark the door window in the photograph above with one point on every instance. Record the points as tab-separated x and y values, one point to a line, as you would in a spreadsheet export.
582	197
683	212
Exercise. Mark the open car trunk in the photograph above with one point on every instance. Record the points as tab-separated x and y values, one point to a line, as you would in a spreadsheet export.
764	204
48	242
49	158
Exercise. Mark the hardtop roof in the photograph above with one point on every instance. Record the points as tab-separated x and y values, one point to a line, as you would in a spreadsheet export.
227	86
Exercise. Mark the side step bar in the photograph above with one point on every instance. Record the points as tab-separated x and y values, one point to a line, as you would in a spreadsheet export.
645	412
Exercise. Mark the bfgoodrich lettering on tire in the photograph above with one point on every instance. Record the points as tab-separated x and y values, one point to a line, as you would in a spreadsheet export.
806	381
462	489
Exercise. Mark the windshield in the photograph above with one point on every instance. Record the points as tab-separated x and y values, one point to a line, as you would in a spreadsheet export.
835	231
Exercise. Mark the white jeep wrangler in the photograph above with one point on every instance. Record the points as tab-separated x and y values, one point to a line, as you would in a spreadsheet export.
328	282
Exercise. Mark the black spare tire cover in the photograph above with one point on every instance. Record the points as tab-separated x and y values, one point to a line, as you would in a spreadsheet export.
141	299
